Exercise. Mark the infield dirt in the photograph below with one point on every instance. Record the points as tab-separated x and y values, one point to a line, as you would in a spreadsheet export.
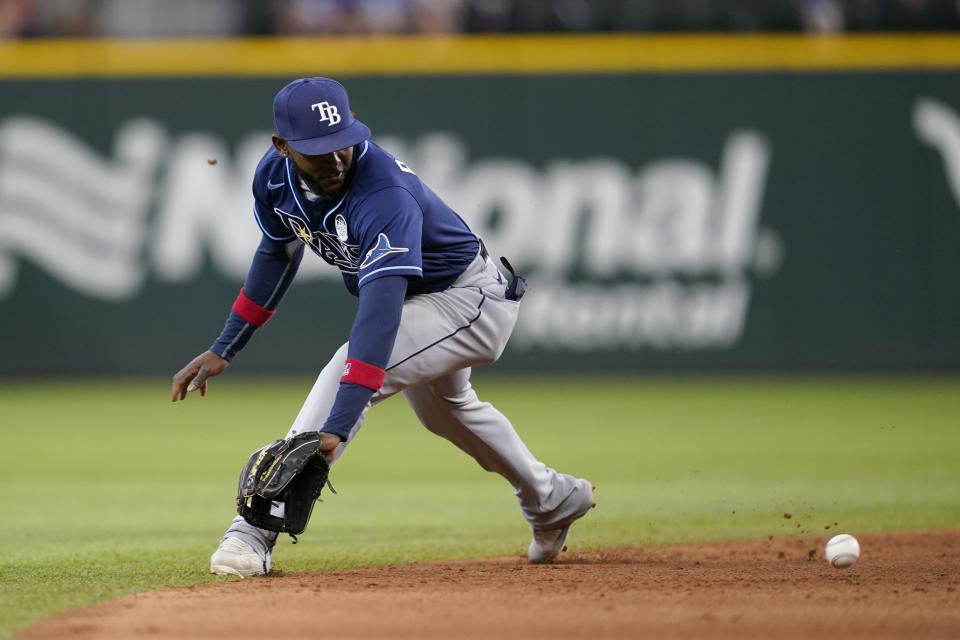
905	585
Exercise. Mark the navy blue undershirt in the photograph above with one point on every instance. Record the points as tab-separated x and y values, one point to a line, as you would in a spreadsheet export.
371	340
272	270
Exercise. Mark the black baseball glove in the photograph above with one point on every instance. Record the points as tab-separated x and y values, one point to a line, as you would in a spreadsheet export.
290	473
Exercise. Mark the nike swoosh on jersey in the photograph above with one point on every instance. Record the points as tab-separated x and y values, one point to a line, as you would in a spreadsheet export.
382	250
272	186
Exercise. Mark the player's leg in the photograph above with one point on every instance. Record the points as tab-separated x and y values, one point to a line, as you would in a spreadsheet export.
316	408
254	555
550	501
443	335
246	549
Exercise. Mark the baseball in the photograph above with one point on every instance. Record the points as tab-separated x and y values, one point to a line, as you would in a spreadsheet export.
842	550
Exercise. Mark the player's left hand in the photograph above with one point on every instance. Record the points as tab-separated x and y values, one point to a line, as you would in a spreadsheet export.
194	375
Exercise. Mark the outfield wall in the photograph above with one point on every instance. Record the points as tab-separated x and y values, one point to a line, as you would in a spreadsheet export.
679	203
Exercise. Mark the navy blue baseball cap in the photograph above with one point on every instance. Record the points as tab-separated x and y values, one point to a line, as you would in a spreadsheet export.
313	115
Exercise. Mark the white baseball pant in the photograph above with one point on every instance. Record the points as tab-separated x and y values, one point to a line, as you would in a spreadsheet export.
441	336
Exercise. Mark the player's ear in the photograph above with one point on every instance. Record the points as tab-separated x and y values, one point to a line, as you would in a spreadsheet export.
280	145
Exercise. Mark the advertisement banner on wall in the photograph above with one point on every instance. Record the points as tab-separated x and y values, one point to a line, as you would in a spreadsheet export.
666	222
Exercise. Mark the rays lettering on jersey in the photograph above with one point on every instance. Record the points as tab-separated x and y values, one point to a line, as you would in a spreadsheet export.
328	246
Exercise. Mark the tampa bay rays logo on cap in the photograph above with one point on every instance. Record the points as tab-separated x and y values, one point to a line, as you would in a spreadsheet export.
382	250
328	112
313	115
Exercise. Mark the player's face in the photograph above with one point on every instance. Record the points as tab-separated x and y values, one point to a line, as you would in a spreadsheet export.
325	174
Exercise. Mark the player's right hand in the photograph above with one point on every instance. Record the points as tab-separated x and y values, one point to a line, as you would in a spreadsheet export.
194	375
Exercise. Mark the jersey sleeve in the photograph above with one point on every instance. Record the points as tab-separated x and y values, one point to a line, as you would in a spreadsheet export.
389	227
270	224
371	342
271	272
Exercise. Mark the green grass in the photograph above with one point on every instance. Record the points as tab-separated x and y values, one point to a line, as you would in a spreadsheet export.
106	488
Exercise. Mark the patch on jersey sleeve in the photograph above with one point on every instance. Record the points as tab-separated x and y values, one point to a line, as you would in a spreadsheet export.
382	250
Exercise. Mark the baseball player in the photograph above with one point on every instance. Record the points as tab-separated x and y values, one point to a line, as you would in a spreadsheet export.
432	304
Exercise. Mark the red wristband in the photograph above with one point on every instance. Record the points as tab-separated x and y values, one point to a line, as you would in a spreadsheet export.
363	374
250	310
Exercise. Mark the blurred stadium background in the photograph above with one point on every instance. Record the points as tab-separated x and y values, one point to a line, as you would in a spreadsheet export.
681	201
224	18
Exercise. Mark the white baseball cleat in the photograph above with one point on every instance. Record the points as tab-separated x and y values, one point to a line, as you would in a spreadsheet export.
548	543
237	558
